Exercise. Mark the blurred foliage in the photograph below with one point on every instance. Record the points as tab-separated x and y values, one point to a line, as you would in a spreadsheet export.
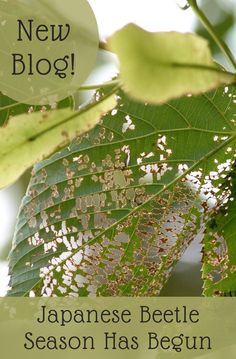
16	192
10	108
223	17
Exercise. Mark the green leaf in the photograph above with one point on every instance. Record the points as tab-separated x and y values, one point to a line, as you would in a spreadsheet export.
10	108
156	67
111	214
29	138
219	244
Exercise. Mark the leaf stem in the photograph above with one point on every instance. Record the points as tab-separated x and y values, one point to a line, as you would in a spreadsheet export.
210	28
101	85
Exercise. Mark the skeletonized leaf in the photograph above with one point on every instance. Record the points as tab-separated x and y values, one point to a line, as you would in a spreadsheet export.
28	138
111	214
156	67
219	243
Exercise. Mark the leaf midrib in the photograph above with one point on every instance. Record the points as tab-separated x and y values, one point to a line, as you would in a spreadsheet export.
66	120
185	129
92	241
228	133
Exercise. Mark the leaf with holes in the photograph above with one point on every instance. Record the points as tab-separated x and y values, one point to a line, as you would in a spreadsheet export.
111	214
156	67
10	108
219	245
32	137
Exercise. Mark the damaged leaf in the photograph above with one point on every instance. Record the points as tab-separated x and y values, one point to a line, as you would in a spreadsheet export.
28	138
111	214
156	67
219	243
10	108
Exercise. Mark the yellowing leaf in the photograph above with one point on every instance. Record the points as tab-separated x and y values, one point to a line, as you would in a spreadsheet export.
10	107
29	138
156	67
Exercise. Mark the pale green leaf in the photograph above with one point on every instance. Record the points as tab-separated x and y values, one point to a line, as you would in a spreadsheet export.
28	138
10	108
111	214
156	67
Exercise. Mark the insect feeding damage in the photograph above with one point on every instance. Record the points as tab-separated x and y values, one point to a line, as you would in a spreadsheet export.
127	200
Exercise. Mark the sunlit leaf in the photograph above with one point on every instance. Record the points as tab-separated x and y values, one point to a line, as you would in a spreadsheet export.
156	67
10	108
28	138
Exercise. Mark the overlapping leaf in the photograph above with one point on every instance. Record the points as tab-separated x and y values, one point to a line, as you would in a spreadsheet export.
156	67
112	213
28	138
10	108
